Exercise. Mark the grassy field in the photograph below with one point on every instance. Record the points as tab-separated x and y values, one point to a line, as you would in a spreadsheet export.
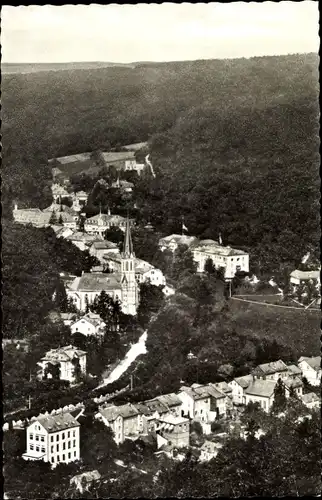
297	328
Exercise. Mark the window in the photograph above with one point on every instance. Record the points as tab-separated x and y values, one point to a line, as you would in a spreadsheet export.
74	453
68	434
58	459
37	437
57	447
68	446
42	439
63	459
200	412
31	436
51	439
31	446
63	435
52	459
57	437
52	449
64	446
37	448
43	449
74	433
74	443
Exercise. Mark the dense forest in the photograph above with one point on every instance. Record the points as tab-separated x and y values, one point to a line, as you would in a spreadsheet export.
234	144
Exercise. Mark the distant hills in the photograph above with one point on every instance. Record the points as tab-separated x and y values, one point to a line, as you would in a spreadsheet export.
37	67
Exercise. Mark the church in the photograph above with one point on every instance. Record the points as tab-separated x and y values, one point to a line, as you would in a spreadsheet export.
120	285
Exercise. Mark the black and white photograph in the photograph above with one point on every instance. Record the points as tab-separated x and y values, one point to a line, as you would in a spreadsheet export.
161	300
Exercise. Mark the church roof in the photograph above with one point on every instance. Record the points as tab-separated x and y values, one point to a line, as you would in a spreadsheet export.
96	282
128	245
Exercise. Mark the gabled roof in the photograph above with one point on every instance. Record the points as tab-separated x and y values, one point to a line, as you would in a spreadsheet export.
244	381
223	387
32	216
270	368
60	422
314	362
217	249
104	244
89	476
61	354
310	397
196	393
293	382
118	156
169	399
156	405
96	321
261	388
295	370
180	239
210	446
60	209
110	413
96	282
174	420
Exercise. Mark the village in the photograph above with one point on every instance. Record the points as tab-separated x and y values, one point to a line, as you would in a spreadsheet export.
170	419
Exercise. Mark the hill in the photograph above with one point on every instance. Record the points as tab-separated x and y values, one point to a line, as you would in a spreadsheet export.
36	67
234	144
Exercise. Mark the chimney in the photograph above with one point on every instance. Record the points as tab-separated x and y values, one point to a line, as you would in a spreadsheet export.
16	206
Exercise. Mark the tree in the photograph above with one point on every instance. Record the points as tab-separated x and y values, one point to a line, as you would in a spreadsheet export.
60	220
183	262
279	403
151	300
114	234
77	372
209	266
53	370
53	218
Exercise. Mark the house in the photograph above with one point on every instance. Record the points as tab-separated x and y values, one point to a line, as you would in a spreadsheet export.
102	248
120	286
209	450
294	371
132	165
311	400
33	216
59	192
53	438
262	392
173	431
172	242
238	387
83	241
171	401
89	325
99	223
65	358
123	420
302	277
144	271
203	403
311	369
62	231
82	482
295	384
230	259
271	371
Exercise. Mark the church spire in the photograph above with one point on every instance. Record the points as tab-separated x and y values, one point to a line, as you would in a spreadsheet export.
128	245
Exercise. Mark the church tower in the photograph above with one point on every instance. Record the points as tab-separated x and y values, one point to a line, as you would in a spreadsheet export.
130	293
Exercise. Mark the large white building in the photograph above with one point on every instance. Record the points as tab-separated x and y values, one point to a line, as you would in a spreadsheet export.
54	439
311	369
99	223
65	358
89	325
120	285
231	259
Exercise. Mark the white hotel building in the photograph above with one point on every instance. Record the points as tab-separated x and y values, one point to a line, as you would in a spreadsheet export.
54	439
231	259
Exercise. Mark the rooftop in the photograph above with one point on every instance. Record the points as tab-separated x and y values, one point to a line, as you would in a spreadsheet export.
169	399
118	156
314	362
217	249
293	382
310	397
173	420
111	412
55	423
244	381
96	282
295	370
180	239
262	388
66	353
104	245
271	368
